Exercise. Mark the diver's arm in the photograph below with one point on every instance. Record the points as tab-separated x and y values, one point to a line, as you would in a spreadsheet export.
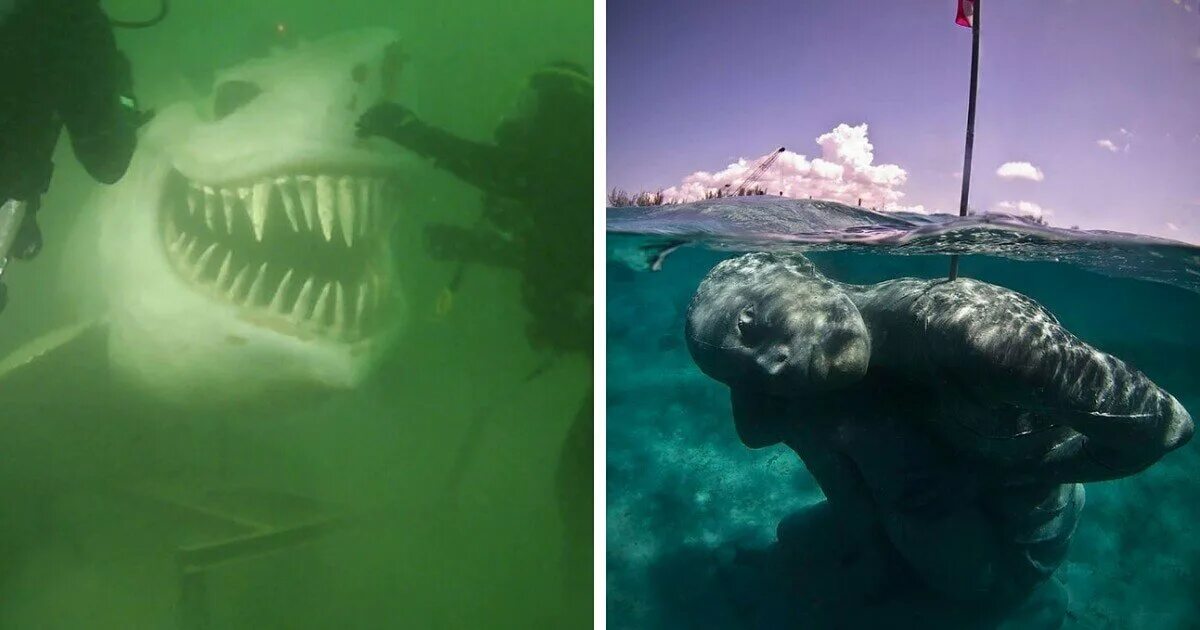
478	164
475	163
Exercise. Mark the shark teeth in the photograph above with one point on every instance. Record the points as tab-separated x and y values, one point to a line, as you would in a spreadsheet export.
277	302
256	288
231	201
322	305
239	283
212	205
339	307
191	249
303	306
233	242
307	188
327	306
346	208
177	243
290	196
326	205
225	270
260	198
360	304
365	196
202	261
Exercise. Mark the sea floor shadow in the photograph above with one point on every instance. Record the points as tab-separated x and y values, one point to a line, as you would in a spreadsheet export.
815	587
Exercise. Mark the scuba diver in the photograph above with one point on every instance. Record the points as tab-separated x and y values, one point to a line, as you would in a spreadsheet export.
60	68
536	179
537	208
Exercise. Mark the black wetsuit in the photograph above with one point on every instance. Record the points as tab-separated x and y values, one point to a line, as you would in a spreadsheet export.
60	67
536	179
537	185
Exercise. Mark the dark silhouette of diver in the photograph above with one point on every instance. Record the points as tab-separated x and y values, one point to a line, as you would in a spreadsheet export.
537	183
60	67
536	179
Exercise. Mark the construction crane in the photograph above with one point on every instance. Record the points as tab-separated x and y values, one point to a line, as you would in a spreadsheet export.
758	172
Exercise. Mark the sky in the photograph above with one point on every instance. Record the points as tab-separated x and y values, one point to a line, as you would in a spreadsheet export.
1088	112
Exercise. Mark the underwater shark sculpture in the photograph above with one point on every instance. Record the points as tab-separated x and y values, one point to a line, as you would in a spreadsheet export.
246	251
242	266
950	426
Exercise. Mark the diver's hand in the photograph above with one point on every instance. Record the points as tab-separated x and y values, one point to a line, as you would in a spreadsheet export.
384	119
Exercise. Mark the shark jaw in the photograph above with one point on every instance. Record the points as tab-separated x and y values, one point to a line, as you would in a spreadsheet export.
244	259
218	300
304	254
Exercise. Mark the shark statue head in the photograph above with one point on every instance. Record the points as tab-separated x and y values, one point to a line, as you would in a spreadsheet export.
245	255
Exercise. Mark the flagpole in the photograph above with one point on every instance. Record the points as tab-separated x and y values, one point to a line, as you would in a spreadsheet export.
966	175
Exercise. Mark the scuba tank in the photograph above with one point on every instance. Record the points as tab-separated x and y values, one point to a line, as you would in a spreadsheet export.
12	214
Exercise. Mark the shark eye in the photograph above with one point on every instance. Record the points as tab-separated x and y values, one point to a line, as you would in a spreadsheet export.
232	95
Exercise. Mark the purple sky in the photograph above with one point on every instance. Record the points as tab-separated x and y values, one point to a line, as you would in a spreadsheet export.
695	84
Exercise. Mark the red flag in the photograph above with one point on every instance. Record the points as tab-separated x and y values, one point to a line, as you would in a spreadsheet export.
966	13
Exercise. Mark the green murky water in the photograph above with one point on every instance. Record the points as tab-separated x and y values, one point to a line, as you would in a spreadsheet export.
291	510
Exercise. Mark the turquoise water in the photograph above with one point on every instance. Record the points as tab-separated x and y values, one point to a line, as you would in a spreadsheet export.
684	493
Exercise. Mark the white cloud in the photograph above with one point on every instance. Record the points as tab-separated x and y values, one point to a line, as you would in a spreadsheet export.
1020	170
1172	227
845	172
1022	209
1120	145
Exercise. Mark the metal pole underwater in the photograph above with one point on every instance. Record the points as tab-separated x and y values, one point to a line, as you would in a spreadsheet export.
966	176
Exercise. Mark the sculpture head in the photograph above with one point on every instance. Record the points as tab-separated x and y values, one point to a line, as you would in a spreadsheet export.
774	330
774	324
246	251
